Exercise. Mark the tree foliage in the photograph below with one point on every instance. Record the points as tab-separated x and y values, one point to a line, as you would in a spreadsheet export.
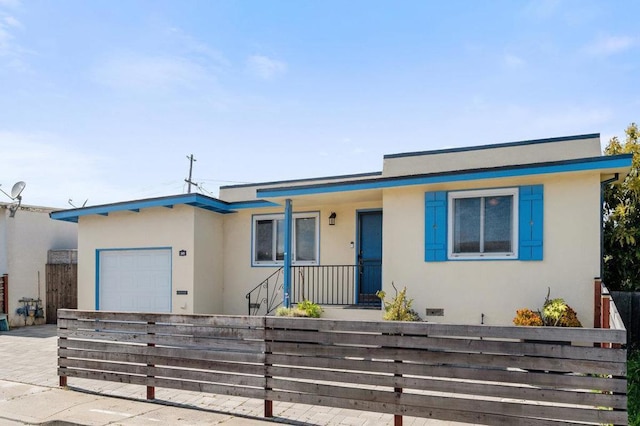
621	240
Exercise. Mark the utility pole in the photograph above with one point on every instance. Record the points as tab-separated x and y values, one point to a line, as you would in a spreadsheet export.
191	160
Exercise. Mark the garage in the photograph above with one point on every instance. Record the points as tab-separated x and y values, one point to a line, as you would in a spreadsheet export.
136	280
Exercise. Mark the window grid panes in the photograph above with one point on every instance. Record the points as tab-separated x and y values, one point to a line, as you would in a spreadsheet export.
482	223
268	239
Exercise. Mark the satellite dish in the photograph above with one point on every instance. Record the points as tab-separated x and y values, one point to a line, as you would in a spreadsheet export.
17	189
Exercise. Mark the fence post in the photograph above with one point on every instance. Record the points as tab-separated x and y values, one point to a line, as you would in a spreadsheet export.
597	302
61	340
151	390
397	418
606	313
268	404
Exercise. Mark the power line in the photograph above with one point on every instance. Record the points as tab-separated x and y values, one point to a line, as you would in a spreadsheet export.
225	181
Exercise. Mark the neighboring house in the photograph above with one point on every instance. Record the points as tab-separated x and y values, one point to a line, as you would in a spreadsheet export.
25	240
473	233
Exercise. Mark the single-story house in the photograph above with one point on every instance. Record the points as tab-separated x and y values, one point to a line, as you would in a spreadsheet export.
25	240
472	233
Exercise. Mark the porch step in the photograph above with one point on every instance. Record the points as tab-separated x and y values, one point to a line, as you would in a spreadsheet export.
364	307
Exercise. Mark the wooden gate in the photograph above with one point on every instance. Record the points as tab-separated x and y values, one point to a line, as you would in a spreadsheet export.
4	294
62	289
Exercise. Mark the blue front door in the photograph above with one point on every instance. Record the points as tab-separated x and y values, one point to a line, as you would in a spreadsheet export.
369	256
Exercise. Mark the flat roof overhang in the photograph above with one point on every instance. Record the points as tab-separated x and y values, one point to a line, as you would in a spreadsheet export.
365	190
194	200
607	165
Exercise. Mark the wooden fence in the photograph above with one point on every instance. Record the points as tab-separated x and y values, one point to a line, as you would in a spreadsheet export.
4	294
62	288
473	374
628	304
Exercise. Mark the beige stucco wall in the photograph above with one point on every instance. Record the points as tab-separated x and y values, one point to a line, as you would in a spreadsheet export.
217	270
208	262
24	243
240	277
248	192
152	227
467	289
435	162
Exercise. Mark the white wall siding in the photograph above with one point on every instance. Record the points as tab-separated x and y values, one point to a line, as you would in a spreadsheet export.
24	242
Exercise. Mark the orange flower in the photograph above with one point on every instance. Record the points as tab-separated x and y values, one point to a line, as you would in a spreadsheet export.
527	317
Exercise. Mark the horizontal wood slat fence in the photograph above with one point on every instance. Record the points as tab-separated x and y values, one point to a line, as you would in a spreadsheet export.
474	374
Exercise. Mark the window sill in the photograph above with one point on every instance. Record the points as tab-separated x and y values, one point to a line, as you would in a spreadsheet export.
280	264
471	258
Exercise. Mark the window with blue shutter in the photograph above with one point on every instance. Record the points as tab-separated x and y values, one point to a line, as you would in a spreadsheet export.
486	224
531	222
435	227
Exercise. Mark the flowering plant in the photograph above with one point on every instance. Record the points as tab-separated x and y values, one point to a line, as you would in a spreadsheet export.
554	313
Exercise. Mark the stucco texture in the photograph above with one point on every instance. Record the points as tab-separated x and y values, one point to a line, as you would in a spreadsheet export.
335	248
24	243
466	289
174	228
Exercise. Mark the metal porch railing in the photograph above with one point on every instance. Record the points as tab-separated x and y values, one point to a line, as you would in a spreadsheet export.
266	297
336	284
346	285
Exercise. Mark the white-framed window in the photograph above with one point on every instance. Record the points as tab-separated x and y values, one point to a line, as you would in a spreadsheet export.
268	239
483	224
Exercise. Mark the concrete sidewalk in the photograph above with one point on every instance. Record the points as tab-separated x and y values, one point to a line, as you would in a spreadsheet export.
29	394
28	404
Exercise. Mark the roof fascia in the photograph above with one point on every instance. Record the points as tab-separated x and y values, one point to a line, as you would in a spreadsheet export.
584	164
251	204
281	182
195	200
493	146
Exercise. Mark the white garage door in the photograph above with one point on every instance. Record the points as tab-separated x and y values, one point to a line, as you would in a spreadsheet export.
135	280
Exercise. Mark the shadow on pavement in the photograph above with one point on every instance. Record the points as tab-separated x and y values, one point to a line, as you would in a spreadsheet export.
38	331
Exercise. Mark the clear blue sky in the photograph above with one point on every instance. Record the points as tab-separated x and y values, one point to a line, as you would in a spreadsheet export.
105	99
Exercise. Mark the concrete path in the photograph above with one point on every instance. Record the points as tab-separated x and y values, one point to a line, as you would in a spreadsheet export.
29	394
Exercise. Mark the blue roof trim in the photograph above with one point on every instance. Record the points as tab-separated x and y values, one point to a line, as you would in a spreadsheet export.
195	200
595	163
248	185
252	204
493	146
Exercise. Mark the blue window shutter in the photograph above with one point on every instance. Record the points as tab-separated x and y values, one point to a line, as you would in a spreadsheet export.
435	226
531	222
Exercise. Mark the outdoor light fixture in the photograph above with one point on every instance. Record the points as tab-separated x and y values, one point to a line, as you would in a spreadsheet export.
332	218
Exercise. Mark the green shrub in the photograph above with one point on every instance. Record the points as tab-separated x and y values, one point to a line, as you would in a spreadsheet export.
399	308
305	309
313	310
633	387
553	311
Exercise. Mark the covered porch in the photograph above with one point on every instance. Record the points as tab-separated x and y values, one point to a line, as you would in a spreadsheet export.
345	267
